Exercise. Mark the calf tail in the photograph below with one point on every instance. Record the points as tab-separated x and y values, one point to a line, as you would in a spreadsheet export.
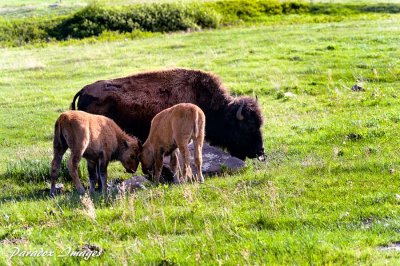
57	134
59	140
78	94
198	125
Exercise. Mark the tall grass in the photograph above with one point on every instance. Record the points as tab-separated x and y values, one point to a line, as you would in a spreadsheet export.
38	170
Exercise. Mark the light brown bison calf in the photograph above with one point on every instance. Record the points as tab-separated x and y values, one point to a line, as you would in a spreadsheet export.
96	138
170	129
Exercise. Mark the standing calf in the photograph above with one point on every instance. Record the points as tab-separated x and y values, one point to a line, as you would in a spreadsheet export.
96	138
170	129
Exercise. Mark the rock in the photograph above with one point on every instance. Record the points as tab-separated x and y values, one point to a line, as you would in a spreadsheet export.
215	161
134	183
392	246
289	94
357	87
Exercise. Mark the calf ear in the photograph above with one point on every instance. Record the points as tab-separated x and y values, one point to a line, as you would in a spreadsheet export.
140	145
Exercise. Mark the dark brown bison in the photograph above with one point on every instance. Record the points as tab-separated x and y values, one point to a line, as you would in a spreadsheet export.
172	129
133	101
96	138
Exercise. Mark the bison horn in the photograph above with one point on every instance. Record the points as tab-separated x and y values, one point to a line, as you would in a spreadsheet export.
239	115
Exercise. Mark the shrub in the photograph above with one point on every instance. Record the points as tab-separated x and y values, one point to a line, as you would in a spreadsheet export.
94	20
20	32
91	21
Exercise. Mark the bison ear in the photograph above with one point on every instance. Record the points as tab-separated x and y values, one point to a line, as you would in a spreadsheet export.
256	99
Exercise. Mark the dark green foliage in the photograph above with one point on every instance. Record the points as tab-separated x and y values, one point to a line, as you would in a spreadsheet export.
91	21
244	9
94	20
20	32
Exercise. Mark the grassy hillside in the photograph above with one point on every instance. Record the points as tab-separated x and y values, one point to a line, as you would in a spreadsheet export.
328	193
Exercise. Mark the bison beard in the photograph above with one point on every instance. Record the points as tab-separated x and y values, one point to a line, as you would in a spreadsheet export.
133	101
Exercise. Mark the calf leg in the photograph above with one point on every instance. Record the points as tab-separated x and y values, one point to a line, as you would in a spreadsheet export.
102	170
158	164
198	158
59	151
73	164
93	175
186	161
174	166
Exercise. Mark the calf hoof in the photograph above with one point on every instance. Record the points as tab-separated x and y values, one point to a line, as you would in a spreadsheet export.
52	193
81	191
56	190
176	180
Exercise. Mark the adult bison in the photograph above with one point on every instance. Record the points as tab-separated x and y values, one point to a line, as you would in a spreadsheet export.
133	101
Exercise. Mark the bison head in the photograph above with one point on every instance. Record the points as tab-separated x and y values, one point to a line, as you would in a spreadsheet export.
129	154
241	132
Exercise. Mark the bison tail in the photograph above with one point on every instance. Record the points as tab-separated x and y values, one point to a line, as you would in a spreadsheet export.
72	107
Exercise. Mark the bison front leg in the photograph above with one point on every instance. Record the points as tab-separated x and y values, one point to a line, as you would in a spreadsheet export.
93	175
73	164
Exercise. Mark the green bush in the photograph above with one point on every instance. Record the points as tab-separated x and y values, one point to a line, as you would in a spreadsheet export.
91	21
94	20
245	9
20	32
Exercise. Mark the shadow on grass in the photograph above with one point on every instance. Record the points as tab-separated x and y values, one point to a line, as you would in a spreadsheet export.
13	191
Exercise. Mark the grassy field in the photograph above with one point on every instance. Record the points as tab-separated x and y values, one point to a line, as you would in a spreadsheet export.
328	193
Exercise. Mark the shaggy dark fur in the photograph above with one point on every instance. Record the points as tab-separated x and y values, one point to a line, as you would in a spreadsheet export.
133	101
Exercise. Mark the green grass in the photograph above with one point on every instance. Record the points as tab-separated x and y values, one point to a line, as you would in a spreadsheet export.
328	193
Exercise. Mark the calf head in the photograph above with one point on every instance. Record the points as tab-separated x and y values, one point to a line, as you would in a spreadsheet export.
146	158
129	154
